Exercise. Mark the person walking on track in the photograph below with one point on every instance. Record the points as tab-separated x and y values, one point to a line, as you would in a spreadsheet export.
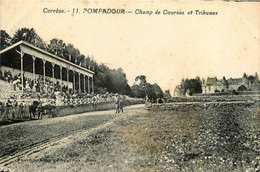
118	103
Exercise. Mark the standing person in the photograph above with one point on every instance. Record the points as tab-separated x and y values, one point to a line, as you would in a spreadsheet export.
8	108
1	110
1	74
121	105
14	109
40	109
94	102
117	103
21	110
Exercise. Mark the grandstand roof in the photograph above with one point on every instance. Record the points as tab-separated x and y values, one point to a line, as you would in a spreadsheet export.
42	54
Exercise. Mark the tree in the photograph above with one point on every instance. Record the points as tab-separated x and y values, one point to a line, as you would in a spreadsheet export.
138	92
102	81
193	85
118	80
81	60
157	91
190	86
251	79
242	88
142	88
57	47
71	53
167	94
198	79
182	87
128	91
225	82
149	90
5	40
142	79
110	80
30	36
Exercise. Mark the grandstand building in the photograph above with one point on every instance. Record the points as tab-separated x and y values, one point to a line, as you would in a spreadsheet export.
26	60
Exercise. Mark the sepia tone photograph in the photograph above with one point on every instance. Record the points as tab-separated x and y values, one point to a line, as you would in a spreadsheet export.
129	86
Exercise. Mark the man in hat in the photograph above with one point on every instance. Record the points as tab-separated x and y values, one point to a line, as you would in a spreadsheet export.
8	108
1	110
94	102
117	103
121	105
21	109
14	109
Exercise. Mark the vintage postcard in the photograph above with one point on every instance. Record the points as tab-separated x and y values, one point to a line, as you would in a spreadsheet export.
129	86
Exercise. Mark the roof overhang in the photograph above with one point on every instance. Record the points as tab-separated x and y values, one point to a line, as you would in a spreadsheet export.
44	55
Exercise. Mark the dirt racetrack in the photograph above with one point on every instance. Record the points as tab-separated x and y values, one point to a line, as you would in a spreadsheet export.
215	137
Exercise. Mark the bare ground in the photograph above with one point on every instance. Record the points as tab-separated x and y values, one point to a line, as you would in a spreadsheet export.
221	137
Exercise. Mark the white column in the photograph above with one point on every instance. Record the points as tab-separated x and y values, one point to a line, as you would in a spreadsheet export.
73	81
34	58
93	84
88	85
79	84
53	71
61	78
84	83
44	61
61	73
22	54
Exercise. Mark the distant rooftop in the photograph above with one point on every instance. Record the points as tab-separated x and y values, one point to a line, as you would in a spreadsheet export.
211	81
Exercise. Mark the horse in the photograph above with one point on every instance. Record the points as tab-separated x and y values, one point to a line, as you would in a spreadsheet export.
51	110
36	108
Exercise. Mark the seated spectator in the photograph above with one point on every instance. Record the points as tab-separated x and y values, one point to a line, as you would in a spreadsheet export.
27	86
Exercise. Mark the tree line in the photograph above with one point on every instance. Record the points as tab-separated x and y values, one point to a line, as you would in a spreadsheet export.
142	88
105	79
190	86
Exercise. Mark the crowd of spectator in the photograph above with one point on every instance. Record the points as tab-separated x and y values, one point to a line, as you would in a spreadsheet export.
46	88
48	93
15	108
65	98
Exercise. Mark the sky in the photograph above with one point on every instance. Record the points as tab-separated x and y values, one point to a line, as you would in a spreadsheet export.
164	48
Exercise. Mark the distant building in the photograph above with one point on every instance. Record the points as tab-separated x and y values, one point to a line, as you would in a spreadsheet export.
213	85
